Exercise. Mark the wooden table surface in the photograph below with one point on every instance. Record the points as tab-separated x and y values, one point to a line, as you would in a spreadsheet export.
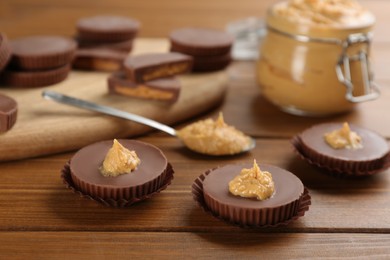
40	218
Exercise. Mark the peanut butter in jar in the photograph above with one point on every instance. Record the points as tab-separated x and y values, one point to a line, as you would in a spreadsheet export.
315	58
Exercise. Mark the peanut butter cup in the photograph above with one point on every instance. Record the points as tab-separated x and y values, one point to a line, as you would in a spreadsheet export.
166	89
107	28
201	41
5	51
8	113
42	52
35	78
151	173
146	67
289	201
370	155
99	59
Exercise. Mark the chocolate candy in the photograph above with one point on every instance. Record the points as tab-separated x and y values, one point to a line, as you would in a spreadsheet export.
282	207
99	59
38	78
201	41
124	46
42	52
166	89
152	66
369	159
107	28
146	179
5	51
8	112
209	48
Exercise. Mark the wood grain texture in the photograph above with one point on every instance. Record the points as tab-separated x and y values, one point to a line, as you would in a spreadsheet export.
50	127
33	197
125	245
41	219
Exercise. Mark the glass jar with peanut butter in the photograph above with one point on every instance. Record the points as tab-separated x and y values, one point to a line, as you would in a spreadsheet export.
315	58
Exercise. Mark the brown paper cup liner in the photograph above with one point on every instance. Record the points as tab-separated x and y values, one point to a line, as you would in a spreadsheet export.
119	203
341	169
302	206
5	51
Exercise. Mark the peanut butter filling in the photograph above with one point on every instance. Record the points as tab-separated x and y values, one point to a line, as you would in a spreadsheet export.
214	137
119	160
144	92
323	12
170	69
252	183
344	138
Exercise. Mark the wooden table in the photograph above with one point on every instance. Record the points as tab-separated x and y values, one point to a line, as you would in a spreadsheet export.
348	218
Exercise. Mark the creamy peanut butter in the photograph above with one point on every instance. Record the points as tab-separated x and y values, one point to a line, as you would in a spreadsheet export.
119	160
344	138
214	137
252	183
300	76
323	12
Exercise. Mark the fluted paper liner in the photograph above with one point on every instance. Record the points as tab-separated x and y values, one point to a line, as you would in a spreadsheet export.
340	168
34	78
129	195
251	218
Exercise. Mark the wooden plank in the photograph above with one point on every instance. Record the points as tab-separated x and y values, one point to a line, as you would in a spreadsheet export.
240	244
51	128
33	197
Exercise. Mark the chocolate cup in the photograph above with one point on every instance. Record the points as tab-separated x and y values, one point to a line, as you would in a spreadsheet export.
304	201
120	203
42	52
33	79
5	51
334	171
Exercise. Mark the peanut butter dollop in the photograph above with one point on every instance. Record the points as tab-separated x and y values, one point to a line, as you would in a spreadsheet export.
214	137
252	183
119	160
324	12
344	138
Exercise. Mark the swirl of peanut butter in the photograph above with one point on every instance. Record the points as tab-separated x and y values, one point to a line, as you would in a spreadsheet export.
344	138
333	13
252	183
119	160
214	137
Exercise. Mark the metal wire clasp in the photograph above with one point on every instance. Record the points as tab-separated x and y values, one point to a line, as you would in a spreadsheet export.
343	68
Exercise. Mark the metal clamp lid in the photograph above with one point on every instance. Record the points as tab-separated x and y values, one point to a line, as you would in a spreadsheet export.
343	68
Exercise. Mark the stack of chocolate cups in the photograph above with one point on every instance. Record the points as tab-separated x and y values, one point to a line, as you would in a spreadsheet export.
37	61
104	42
209	48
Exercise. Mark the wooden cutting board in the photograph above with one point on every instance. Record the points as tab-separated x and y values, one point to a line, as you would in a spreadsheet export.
45	127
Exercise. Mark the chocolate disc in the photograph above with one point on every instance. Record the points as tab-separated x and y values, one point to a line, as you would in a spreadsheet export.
145	179
283	204
201	41
8	112
99	59
30	79
107	28
5	51
167	89
42	52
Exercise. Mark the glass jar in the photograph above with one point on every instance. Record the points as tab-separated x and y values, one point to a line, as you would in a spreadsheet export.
315	70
